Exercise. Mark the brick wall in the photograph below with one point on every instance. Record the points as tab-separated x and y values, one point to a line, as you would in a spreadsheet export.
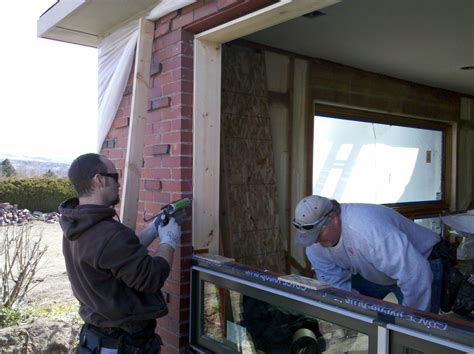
167	158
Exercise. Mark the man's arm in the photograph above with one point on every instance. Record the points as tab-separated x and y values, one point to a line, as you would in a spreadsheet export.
328	271
165	251
148	235
169	236
395	256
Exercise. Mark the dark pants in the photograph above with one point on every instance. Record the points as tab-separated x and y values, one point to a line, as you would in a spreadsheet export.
378	291
92	340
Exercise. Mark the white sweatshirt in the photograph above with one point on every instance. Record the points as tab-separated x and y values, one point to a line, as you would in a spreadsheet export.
383	247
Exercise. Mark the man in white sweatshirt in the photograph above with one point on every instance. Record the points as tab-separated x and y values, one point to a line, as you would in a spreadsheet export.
371	249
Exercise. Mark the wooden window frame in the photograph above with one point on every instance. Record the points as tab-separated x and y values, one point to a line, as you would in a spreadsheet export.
411	210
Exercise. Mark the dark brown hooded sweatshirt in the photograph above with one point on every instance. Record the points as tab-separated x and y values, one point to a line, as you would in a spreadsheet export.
112	276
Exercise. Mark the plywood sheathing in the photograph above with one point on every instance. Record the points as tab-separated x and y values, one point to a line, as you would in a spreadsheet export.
249	215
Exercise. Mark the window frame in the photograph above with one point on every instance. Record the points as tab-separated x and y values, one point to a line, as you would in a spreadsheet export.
411	210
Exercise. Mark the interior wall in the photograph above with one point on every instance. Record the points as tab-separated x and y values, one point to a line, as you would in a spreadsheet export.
340	85
293	85
250	228
465	181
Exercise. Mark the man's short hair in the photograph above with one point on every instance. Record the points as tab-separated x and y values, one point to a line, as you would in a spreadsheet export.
82	170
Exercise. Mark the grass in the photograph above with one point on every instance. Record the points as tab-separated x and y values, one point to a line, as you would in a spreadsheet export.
63	311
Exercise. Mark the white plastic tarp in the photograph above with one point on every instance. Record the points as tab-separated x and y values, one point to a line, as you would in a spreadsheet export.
463	222
166	6
116	53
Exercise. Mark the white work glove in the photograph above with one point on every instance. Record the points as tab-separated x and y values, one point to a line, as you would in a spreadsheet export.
170	233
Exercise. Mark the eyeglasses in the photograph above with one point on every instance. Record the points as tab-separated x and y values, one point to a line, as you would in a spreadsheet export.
308	227
115	176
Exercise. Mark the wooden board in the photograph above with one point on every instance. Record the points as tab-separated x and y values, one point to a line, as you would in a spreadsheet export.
206	147
136	131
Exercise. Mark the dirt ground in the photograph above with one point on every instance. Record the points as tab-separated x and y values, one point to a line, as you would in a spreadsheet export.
54	327
51	284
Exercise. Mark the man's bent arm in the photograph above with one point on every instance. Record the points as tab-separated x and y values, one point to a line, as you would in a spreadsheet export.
164	251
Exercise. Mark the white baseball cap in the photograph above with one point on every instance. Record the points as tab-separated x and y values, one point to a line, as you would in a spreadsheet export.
310	215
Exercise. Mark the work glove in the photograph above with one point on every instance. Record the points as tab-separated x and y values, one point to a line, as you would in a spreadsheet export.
170	233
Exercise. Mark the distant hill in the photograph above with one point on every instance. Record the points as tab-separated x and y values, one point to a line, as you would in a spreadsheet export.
26	166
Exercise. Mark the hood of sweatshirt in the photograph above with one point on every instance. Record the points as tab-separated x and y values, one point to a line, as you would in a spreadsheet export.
76	219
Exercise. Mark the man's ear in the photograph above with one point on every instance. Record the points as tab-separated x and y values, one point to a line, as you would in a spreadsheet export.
97	181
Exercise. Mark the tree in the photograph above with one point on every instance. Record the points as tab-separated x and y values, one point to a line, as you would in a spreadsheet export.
49	173
7	169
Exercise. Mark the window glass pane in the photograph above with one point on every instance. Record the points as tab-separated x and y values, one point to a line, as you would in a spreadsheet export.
367	162
249	325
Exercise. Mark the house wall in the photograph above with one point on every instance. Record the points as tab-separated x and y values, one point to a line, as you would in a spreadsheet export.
166	172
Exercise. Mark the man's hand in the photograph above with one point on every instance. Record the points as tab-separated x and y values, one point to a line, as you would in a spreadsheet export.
170	233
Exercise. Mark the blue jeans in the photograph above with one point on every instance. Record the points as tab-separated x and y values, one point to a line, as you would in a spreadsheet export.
378	291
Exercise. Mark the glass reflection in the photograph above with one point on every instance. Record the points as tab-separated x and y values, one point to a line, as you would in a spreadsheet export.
249	325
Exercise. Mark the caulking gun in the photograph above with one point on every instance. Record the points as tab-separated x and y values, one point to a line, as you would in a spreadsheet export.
176	209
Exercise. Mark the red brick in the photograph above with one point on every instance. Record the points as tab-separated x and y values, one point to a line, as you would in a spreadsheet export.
121	122
182	149
183	74
171	113
164	78
187	111
182	173
116	154
161	149
159	197
169	51
182	20
184	251
173	37
182	98
172	63
152	139
158	173
153	185
176	137
206	10
182	124
161	127
160	103
162	29
175	186
174	87
191	7
168	17
155	91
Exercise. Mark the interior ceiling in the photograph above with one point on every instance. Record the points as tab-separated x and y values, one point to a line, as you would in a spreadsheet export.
423	41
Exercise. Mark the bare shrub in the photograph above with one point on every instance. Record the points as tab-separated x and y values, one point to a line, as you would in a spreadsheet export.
20	253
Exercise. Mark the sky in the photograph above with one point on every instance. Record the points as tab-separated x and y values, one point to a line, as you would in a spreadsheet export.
48	89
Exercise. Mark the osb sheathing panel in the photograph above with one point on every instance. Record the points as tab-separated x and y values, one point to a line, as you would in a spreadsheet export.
249	222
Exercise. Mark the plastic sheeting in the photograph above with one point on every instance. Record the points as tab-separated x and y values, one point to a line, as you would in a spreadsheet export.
166	6
462	223
116	55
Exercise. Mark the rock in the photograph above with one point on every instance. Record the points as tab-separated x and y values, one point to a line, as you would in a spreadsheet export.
40	336
10	215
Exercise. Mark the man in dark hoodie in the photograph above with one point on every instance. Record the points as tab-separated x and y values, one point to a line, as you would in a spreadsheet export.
114	277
